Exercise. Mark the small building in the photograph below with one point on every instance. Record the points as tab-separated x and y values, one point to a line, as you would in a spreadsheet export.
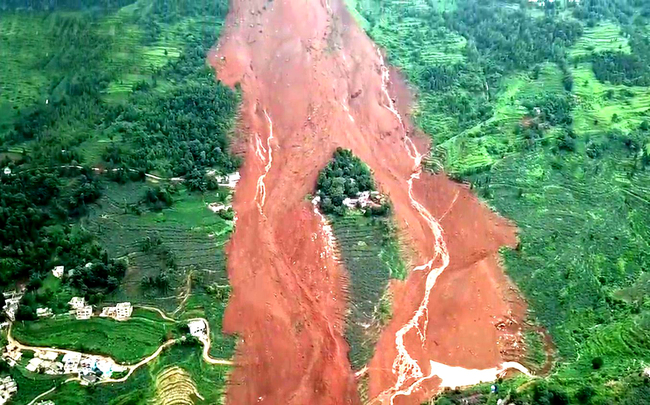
55	368
34	364
8	388
43	312
58	271
198	328
71	363
48	355
124	311
84	313
77	302
87	364
7	171
105	367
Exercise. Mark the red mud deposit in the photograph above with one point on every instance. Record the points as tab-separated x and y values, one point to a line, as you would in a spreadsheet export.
312	81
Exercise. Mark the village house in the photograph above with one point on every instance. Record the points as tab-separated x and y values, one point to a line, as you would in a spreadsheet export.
43	312
12	300
83	313
77	302
58	271
12	354
34	364
198	329
45	403
120	312
8	388
71	363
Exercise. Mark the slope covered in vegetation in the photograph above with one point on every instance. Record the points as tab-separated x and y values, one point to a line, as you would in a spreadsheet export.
544	111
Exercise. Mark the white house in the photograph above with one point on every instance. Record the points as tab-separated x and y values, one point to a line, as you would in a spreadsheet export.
197	328
85	312
42	312
58	271
71	363
123	311
77	302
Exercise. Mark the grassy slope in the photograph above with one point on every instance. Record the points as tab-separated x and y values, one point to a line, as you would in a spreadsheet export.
583	221
371	255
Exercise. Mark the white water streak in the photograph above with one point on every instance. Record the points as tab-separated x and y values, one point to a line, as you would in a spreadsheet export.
405	366
261	151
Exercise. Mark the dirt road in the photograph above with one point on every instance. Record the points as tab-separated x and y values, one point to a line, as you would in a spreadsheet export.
312	81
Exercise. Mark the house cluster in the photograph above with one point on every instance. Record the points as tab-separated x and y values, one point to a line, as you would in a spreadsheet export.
45	361
89	368
7	389
12	298
364	199
120	312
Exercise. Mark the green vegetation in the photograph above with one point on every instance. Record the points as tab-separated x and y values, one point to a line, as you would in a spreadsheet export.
371	255
99	96
345	176
126	342
545	112
368	246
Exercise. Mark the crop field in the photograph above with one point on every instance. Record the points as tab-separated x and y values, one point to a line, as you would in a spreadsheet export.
127	342
605	107
603	37
481	146
188	231
371	256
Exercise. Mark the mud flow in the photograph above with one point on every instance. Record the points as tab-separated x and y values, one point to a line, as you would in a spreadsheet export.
313	81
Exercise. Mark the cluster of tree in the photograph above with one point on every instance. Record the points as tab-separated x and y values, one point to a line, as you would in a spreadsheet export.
35	207
160	197
345	176
621	68
551	108
508	39
181	132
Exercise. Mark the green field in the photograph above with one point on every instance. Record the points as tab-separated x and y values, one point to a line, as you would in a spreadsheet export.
126	342
369	250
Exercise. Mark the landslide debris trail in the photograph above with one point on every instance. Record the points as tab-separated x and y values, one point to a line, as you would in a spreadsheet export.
312	81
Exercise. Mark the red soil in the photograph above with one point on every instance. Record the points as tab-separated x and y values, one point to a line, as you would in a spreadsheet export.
306	64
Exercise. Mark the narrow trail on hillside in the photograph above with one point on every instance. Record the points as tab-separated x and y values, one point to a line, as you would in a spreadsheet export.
313	81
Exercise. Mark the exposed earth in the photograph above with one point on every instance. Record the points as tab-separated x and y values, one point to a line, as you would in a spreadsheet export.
313	81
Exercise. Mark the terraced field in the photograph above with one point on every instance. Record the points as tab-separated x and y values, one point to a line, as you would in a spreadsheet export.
189	232
126	342
605	36
371	255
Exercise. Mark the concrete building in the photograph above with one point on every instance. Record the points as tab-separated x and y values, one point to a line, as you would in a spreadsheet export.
71	363
43	312
198	329
77	302
8	388
58	271
84	312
